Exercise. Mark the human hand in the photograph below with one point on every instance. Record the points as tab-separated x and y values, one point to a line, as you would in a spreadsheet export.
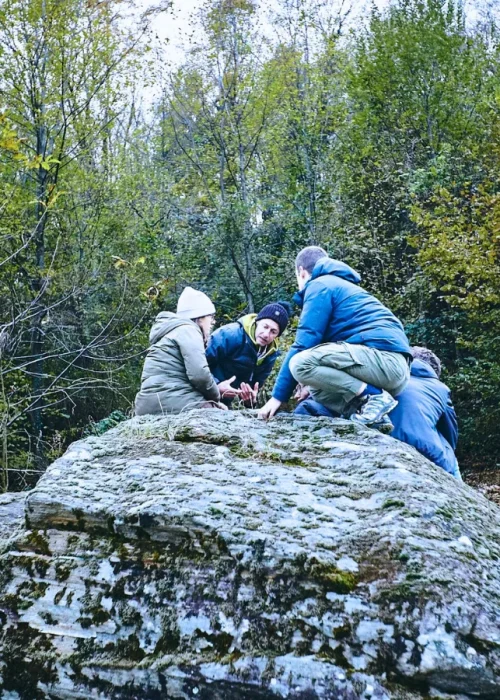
269	409
226	390
247	394
301	393
222	406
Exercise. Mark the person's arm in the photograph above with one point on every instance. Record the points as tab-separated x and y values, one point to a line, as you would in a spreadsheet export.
448	425
215	352
190	342
314	321
261	373
218	350
263	370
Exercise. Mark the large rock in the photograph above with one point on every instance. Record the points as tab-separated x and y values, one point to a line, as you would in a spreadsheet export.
215	556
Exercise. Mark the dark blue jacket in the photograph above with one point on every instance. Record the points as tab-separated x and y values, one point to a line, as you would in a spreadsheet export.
425	417
335	310
232	352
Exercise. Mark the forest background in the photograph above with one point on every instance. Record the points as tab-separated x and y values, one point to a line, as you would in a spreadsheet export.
373	134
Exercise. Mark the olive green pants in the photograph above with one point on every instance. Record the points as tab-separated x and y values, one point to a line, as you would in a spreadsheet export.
337	372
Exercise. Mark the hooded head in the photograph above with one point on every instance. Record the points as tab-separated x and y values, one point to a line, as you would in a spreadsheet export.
194	304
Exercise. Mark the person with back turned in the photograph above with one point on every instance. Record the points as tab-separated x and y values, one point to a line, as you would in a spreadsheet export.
176	376
350	350
424	416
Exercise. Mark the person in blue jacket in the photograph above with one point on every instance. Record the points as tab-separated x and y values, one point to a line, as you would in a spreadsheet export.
350	350
241	355
424	416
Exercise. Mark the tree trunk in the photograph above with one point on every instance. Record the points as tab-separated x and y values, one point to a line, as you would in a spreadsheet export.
38	288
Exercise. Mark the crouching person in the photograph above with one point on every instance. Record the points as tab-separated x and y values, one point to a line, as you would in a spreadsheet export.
350	350
424	416
241	355
176	375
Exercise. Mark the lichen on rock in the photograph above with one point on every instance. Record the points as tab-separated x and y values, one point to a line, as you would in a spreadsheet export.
213	555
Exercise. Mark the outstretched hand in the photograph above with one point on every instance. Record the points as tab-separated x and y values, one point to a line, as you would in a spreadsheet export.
269	409
247	394
301	393
226	390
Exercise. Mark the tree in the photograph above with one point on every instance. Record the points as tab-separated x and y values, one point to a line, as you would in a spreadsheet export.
56	65
218	110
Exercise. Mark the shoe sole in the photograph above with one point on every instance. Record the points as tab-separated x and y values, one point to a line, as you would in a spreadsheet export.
385	427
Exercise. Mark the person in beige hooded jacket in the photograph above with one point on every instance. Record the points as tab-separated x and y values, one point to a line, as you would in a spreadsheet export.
176	376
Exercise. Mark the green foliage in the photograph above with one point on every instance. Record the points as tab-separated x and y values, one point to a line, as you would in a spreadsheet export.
458	244
378	142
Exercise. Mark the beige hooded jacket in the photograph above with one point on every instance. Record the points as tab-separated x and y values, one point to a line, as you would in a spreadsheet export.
175	376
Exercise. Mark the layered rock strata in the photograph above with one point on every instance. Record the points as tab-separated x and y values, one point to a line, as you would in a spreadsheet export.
215	556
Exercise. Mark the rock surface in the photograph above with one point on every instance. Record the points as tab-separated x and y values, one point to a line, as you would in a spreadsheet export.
214	556
11	514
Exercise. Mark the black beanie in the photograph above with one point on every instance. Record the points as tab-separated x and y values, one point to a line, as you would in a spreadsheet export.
279	312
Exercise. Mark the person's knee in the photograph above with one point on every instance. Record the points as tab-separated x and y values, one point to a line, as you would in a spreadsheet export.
399	375
310	407
300	366
303	409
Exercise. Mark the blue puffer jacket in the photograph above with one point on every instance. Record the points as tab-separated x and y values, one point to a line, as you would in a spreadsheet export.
335	310
231	351
425	417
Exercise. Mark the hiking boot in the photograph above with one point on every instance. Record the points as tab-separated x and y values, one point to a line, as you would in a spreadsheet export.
375	409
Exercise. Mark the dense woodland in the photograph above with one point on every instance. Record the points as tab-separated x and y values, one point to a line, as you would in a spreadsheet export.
374	134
